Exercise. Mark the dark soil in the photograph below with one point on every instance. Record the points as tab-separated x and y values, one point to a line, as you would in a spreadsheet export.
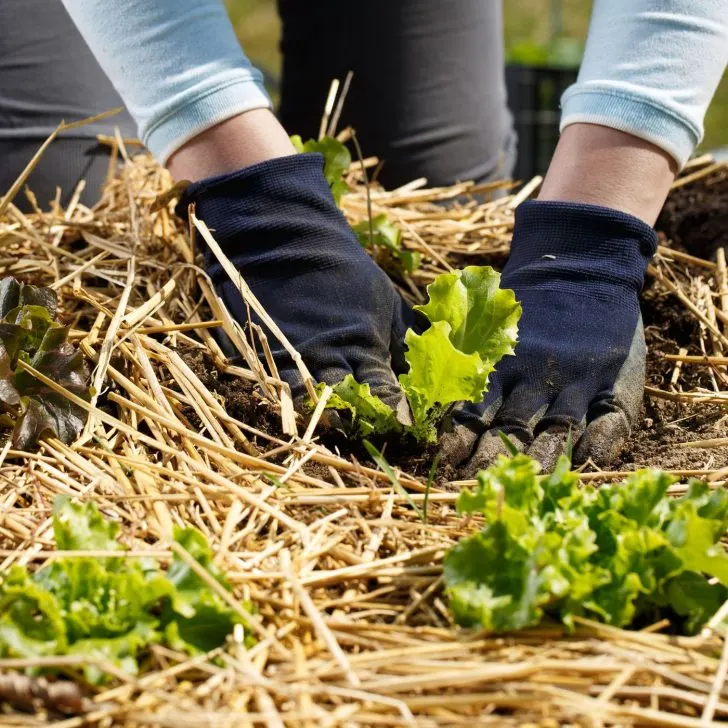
695	217
694	220
664	424
242	399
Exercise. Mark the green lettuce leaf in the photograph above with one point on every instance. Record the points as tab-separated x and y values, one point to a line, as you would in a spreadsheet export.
337	161
80	527
369	414
31	619
439	375
200	617
551	547
110	608
692	596
386	241
483	317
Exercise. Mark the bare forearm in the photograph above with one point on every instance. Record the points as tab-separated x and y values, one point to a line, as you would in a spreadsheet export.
249	138
601	166
636	111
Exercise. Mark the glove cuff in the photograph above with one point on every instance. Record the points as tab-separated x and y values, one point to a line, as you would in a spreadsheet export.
231	203
276	204
572	225
573	241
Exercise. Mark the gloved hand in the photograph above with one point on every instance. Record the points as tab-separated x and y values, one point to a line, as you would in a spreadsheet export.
278	224
579	365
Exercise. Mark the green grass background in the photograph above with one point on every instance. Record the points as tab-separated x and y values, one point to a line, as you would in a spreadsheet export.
526	21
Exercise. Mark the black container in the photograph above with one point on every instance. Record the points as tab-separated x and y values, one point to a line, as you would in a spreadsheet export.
534	95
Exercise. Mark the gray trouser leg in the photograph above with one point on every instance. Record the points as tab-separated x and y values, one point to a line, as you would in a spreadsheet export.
428	95
48	74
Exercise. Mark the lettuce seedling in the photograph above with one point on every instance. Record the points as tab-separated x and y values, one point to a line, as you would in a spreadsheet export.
615	554
337	161
379	235
384	240
30	333
112	608
473	324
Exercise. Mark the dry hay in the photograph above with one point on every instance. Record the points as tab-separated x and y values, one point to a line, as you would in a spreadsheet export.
352	628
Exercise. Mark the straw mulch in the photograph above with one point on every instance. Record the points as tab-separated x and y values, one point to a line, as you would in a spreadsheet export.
352	628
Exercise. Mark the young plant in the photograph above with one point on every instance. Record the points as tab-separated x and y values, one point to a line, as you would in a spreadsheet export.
379	236
337	161
473	324
30	333
551	547
384	240
112	608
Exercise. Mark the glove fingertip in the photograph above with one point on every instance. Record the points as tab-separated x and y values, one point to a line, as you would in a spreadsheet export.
489	448
604	439
549	446
457	445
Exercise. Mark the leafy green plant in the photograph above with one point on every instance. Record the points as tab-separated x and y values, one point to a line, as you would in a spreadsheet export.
473	324
385	240
337	160
110	608
30	333
551	547
380	236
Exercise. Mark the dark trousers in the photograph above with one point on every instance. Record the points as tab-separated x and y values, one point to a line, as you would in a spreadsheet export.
428	95
47	74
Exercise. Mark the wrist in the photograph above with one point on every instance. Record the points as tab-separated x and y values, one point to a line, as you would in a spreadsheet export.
597	165
241	141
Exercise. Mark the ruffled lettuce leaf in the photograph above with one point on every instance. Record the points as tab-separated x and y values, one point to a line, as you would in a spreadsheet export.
617	554
111	608
483	317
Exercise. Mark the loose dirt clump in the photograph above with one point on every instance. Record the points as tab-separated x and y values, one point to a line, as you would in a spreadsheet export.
241	398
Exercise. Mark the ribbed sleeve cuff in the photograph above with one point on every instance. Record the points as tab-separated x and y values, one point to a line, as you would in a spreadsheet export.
196	113
633	114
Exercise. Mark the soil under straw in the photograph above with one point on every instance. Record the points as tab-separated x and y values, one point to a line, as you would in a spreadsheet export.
352	627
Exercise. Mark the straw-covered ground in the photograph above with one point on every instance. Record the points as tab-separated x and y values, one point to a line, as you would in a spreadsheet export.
351	624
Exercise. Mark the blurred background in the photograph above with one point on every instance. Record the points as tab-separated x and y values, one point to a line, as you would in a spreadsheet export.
544	41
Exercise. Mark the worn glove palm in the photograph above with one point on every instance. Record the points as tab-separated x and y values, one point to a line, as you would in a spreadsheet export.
579	365
278	224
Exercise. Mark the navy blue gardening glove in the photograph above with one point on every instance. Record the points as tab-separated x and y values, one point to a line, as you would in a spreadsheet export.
278	224
579	365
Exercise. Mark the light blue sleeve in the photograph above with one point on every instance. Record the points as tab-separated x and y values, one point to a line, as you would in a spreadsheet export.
651	68
176	63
